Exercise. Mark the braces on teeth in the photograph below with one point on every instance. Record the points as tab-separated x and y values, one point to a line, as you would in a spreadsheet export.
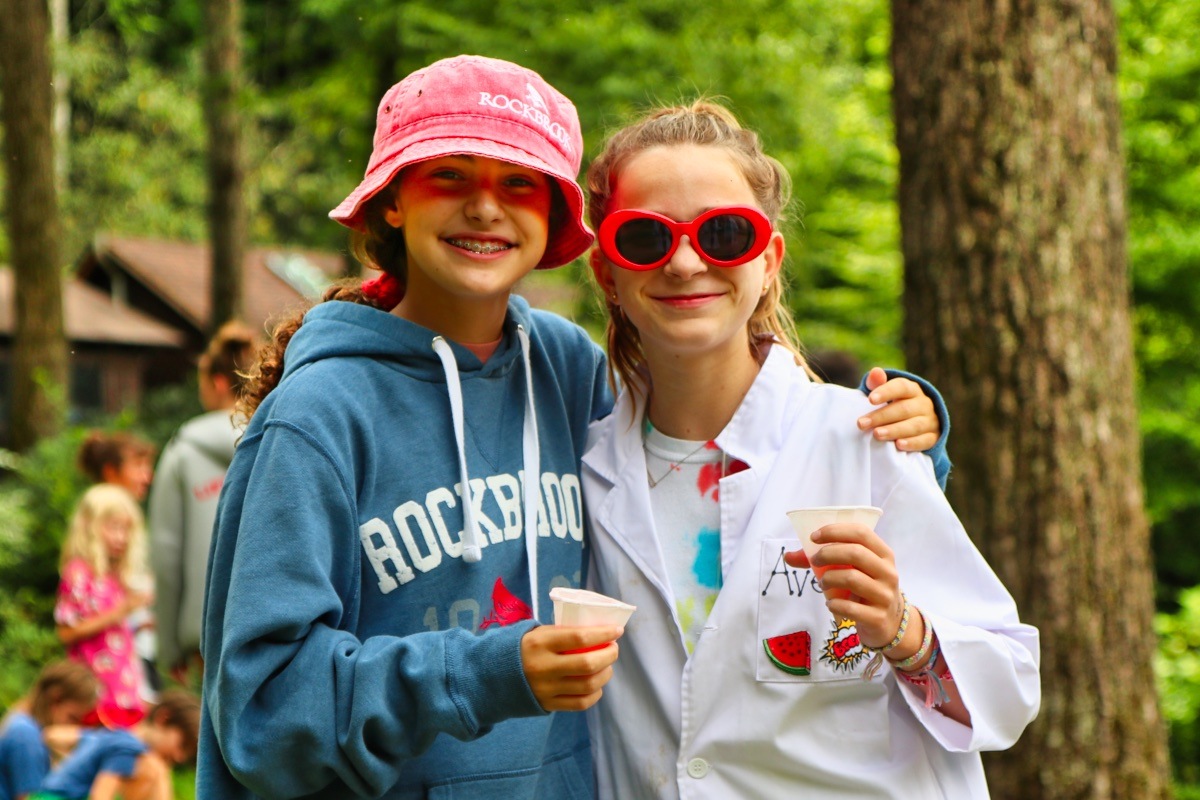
479	247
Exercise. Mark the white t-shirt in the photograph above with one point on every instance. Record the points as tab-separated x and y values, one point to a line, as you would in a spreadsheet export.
683	477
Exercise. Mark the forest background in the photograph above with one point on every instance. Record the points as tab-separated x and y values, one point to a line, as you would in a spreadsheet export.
812	77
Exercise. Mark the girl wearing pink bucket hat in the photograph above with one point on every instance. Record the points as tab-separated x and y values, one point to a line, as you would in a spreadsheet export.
407	489
406	492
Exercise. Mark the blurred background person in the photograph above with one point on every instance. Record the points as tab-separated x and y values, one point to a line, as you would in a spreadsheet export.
118	457
183	499
132	764
64	692
126	460
102	566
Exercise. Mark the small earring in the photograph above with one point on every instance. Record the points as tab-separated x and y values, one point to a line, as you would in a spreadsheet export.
766	288
613	298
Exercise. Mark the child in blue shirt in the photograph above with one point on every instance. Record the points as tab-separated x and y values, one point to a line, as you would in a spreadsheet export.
62	694
133	764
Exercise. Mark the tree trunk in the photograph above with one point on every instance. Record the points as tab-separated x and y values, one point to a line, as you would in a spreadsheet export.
226	205
39	369
1013	218
60	31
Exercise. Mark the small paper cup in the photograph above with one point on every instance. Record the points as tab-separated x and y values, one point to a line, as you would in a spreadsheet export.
807	521
581	607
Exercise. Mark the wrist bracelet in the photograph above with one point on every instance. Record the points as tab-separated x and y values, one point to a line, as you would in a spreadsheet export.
894	643
876	661
927	678
926	643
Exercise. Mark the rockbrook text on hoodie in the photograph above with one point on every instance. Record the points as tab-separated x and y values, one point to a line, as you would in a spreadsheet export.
424	539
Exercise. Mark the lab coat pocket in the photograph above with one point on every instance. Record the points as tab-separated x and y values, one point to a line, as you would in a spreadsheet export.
799	641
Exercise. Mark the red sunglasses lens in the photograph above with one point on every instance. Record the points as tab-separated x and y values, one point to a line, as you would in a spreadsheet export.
725	237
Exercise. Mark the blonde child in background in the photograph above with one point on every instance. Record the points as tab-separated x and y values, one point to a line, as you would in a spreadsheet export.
183	500
59	699
742	675
125	459
103	559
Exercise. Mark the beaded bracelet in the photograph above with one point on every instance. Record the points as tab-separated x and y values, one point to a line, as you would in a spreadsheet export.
927	678
894	643
877	659
926	643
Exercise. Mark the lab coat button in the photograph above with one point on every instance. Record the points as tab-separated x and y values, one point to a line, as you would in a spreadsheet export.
697	768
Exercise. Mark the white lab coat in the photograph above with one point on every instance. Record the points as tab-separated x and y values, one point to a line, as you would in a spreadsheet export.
727	722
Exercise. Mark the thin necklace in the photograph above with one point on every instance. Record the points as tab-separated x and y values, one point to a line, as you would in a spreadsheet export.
674	465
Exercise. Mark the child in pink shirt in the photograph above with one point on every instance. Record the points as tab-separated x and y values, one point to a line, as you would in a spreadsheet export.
103	558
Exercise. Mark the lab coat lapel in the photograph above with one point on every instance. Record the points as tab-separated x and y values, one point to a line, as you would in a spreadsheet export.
753	436
617	462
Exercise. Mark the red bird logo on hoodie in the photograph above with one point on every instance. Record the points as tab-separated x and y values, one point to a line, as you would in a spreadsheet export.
507	608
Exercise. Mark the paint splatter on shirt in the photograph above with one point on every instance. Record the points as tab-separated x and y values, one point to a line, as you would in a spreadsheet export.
685	498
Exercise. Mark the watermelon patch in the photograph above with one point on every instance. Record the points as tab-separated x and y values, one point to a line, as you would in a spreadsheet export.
791	652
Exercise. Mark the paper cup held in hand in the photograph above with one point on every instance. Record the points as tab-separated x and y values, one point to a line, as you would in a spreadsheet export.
581	607
807	521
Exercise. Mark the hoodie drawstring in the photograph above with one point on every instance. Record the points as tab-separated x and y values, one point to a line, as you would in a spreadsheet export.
530	453
472	550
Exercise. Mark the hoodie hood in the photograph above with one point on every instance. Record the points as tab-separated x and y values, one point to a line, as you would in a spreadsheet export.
214	435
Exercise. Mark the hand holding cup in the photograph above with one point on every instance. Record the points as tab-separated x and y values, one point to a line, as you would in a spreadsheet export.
568	663
858	562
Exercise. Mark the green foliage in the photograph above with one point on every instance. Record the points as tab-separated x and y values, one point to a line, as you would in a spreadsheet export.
37	500
1177	665
17	629
812	77
1160	70
27	642
184	780
165	409
137	143
42	492
27	639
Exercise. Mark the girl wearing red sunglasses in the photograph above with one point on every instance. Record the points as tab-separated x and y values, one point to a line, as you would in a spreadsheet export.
742	674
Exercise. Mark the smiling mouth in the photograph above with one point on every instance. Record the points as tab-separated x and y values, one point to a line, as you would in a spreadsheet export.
482	248
687	298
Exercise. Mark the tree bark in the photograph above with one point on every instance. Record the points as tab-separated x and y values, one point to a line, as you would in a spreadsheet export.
39	369
226	204
1017	303
60	32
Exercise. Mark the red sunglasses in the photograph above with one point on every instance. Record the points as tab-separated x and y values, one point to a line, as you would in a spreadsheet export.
725	237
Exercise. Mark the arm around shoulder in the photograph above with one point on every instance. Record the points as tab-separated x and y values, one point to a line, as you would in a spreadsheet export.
937	451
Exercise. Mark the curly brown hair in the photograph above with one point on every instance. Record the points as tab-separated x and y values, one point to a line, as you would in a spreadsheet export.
267	370
381	247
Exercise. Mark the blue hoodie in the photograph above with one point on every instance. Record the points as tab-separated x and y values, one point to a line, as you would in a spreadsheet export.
358	633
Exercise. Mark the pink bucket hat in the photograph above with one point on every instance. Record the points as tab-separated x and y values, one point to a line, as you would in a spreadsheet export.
479	106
